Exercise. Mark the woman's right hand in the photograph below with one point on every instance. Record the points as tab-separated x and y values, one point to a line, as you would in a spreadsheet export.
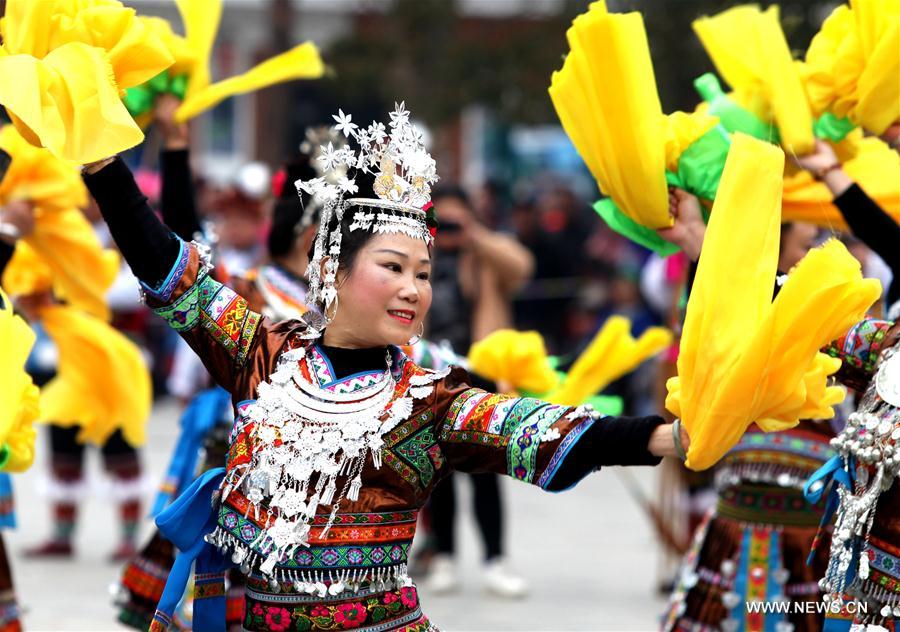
175	135
17	217
689	228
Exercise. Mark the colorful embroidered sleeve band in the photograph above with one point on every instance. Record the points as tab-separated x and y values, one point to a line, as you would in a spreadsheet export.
532	440
743	357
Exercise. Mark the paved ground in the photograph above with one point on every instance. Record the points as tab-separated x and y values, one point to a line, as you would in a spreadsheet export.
588	553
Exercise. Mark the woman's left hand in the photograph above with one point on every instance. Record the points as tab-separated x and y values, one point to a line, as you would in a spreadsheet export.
662	441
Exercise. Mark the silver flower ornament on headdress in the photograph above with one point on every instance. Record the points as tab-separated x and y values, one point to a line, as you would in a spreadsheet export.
403	171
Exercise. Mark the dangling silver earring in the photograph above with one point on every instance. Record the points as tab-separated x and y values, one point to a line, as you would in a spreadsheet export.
419	335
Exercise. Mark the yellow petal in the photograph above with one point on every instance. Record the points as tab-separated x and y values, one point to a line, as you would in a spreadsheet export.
201	23
606	99
750	51
102	383
301	62
19	395
36	175
612	353
852	66
65	66
516	358
744	357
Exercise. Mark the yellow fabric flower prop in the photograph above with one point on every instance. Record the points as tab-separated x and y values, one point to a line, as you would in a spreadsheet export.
750	52
301	62
189	76
606	98
63	65
38	176
102	383
874	166
613	352
515	358
852	65
55	258
743	357
63	240
519	359
17	392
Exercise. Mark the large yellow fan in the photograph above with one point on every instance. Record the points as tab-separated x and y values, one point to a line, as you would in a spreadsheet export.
17	392
745	358
853	64
63	67
750	51
606	99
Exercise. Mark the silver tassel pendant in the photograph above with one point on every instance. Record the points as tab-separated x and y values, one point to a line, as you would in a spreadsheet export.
355	487
328	494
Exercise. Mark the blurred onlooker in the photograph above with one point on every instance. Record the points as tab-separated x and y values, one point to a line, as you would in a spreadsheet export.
554	228
239	218
475	272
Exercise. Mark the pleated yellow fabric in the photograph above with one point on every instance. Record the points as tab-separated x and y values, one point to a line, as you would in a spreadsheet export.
606	99
184	58
26	273
201	23
83	271
613	352
852	65
874	166
38	176
63	65
519	359
102	383
62	239
750	52
515	358
17	392
301	62
743	357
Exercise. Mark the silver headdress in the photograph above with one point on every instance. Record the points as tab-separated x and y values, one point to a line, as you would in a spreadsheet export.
404	172
316	140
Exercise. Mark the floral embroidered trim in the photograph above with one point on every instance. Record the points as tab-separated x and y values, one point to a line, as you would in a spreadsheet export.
160	623
521	453
184	313
209	586
478	438
389	610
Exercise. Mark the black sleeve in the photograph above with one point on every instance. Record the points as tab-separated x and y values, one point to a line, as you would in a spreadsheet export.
609	441
6	253
875	228
146	244
177	199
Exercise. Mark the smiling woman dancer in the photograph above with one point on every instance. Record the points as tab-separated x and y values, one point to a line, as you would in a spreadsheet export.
339	437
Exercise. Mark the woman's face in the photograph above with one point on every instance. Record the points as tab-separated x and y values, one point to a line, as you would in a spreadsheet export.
796	241
384	297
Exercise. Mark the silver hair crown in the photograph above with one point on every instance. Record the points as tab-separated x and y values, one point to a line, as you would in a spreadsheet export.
404	172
